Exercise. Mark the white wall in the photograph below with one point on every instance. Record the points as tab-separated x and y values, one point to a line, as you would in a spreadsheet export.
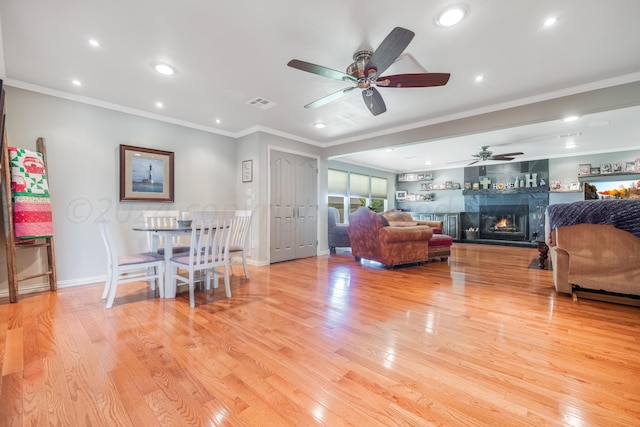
82	144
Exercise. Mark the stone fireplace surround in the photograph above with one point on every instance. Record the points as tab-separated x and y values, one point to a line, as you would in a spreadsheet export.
530	202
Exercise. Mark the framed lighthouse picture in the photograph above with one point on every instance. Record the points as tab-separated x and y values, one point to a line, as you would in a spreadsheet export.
145	174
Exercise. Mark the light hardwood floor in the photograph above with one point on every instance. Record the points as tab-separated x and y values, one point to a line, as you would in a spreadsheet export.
480	340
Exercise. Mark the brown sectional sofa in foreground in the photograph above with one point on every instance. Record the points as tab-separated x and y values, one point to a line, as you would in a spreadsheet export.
373	238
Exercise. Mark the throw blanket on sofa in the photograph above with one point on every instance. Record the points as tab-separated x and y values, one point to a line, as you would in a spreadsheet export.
622	214
30	195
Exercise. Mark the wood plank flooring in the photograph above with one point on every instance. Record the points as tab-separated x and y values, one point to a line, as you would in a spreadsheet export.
480	340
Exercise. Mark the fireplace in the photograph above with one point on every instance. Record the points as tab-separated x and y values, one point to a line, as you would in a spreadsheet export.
504	222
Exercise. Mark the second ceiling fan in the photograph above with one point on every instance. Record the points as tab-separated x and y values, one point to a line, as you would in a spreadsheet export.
486	154
365	72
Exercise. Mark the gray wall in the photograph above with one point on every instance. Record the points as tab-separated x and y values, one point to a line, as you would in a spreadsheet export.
82	144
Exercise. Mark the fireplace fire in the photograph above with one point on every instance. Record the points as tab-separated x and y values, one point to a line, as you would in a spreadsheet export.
504	222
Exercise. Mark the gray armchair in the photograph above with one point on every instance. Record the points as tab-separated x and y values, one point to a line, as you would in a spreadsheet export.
338	237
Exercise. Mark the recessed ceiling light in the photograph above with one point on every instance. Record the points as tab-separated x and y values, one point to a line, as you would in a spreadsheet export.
550	21
388	150
218	121
94	42
159	104
428	162
165	69
570	144
479	78
319	125
451	16
76	82
570	119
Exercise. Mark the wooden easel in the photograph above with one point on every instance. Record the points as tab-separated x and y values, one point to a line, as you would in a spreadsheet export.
9	232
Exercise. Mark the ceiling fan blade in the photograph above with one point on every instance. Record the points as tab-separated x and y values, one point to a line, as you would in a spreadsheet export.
501	158
320	70
374	101
507	154
414	80
473	163
389	50
329	98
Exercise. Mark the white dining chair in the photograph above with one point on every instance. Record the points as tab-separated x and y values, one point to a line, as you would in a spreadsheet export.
129	268
239	244
209	251
163	219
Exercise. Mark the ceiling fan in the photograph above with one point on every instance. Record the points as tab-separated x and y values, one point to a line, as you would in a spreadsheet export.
365	72
485	154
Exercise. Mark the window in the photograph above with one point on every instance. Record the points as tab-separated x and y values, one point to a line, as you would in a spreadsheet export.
349	191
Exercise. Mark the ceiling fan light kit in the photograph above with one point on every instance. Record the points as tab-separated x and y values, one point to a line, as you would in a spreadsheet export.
366	72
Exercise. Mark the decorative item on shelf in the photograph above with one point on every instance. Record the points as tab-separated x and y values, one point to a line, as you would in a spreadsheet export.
485	182
616	168
605	168
531	179
638	165
411	198
595	170
476	186
500	186
556	185
448	185
574	186
631	167
584	169
472	233
424	187
401	195
456	186
467	186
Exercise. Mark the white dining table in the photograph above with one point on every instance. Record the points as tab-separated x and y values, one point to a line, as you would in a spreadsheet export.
166	233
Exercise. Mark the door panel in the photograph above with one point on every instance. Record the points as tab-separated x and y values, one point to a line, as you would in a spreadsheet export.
293	192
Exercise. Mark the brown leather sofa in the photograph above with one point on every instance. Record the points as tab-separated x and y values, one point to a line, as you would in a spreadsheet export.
373	239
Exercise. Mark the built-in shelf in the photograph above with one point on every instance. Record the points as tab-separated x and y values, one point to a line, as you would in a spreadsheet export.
619	176
565	191
524	190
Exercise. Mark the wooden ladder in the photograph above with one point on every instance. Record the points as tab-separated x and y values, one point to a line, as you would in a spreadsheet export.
10	237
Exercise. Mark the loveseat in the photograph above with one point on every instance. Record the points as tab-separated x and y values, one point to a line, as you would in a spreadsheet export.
372	238
338	236
595	245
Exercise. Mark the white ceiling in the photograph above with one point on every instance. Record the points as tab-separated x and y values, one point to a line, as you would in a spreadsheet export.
229	52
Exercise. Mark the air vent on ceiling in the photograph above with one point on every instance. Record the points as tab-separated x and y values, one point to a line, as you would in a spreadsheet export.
261	103
570	135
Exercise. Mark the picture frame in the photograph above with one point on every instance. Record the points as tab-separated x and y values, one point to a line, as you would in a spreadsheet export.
146	174
616	167
476	186
556	185
584	169
605	168
595	170
401	195
631	167
574	186
247	171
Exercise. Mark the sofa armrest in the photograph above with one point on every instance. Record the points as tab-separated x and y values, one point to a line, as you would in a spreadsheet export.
405	234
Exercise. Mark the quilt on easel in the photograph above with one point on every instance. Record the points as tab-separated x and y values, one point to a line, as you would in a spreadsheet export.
30	195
